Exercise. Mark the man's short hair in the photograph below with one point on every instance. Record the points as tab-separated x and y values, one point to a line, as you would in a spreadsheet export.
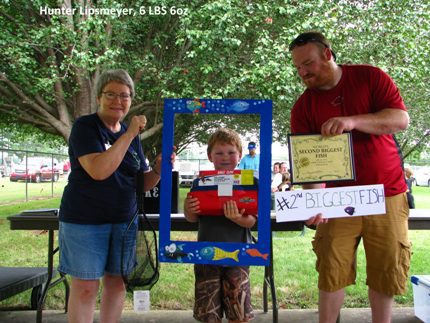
311	37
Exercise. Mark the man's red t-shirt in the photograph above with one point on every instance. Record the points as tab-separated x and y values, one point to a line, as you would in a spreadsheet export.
362	89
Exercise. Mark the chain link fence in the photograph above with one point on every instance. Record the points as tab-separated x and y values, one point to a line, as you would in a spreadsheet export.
29	175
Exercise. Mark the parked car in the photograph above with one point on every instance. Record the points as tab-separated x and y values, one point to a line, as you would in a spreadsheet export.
422	176
186	178
66	167
188	171
38	169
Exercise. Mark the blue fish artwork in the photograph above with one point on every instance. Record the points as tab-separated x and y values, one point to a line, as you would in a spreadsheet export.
350	210
175	252
239	106
207	253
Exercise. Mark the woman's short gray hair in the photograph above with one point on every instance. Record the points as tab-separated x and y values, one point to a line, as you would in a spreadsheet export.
119	75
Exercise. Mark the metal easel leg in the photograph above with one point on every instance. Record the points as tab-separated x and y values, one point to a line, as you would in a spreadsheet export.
265	283
270	280
272	284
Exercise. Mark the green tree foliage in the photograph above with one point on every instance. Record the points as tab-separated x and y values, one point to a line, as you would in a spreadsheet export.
26	137
220	48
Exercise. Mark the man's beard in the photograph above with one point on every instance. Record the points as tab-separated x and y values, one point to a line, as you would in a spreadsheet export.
320	80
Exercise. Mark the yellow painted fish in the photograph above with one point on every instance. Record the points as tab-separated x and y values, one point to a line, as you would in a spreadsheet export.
222	254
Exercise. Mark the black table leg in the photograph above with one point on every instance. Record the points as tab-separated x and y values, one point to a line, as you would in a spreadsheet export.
50	272
49	283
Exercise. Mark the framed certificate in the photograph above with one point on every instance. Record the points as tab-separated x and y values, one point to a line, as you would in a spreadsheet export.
318	159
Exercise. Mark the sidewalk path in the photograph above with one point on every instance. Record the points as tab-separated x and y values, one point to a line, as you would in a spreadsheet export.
349	315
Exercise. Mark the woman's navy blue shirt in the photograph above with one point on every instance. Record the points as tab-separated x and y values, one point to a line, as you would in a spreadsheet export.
113	200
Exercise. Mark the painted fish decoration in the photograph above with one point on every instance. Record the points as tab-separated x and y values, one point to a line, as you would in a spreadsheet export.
195	105
256	253
175	252
215	253
239	106
350	210
178	255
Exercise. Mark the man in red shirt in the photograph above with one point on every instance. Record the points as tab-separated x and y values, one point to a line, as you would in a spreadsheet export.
364	100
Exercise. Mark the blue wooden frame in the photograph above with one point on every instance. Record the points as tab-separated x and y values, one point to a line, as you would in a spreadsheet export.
217	253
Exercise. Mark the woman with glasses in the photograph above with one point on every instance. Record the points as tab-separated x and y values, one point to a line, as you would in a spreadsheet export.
99	200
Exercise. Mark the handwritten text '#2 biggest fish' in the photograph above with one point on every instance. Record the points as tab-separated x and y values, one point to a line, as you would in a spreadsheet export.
353	197
331	199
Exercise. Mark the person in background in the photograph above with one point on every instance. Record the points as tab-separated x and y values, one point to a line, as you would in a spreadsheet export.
364	100
284	168
221	289
409	181
276	169
286	183
278	178
99	200
251	160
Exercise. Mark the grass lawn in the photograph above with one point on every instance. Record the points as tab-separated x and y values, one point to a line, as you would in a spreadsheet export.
294	265
422	197
13	192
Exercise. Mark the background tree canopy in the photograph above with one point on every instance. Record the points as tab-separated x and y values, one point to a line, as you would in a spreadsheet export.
221	48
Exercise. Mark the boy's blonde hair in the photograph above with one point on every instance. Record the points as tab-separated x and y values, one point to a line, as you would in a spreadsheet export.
224	136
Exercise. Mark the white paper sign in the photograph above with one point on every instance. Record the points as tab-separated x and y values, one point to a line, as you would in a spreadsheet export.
141	300
334	202
227	179
225	190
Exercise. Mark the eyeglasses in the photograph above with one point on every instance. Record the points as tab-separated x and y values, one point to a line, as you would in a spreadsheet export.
304	39
112	96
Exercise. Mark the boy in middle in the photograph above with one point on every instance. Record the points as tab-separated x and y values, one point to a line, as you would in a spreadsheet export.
221	289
